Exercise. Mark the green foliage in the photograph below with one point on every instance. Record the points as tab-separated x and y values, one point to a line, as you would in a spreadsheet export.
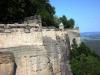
63	20
83	61
67	23
56	21
71	23
17	10
46	11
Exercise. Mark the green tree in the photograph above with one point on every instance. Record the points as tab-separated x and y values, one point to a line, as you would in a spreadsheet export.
71	23
64	21
83	61
67	23
56	21
17	10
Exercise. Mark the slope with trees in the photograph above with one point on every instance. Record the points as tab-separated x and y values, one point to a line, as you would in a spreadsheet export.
83	61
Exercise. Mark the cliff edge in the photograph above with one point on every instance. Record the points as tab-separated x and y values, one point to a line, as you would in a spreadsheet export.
37	50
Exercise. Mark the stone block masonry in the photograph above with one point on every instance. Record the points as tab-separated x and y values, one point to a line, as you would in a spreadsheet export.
37	51
20	38
6	63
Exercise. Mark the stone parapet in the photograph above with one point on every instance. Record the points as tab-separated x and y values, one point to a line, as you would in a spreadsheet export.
15	39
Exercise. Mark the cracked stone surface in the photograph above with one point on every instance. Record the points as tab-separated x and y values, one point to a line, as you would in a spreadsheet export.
48	58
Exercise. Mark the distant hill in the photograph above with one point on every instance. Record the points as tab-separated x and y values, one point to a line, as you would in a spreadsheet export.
90	36
92	39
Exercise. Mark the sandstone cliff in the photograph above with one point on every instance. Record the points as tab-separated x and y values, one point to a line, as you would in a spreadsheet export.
6	63
37	52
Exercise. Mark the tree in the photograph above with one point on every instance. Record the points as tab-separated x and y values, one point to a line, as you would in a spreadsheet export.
3	10
17	10
67	23
83	61
72	22
56	21
64	21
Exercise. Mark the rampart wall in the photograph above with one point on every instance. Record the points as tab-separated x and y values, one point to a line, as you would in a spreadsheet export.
19	38
70	33
38	51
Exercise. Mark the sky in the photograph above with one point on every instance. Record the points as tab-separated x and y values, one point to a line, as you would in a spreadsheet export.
86	13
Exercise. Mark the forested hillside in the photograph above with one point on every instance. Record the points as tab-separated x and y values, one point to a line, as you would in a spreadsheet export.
92	39
83	61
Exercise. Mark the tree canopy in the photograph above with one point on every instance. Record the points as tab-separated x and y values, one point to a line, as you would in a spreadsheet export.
68	23
83	61
16	10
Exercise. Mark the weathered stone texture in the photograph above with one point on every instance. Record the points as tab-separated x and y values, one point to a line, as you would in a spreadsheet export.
19	38
38	52
49	58
6	63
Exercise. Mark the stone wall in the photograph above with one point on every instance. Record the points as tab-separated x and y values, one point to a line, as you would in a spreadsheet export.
43	52
6	63
58	50
70	33
73	34
20	38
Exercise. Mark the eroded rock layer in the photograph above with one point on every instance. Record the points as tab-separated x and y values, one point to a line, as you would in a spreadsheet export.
37	50
6	63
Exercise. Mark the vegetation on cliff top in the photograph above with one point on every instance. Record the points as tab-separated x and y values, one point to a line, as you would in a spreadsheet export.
83	61
16	10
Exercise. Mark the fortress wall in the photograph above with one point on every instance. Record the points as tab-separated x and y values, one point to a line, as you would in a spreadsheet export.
20	38
49	36
61	34
73	34
53	50
49	33
47	53
6	63
52	33
69	33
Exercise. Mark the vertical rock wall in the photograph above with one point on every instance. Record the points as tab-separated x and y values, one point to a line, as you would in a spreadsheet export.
6	63
20	38
46	54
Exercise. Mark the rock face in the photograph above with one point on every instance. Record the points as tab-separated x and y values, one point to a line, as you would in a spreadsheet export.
6	63
37	52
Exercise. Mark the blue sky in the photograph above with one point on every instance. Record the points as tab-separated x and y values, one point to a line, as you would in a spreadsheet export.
86	13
